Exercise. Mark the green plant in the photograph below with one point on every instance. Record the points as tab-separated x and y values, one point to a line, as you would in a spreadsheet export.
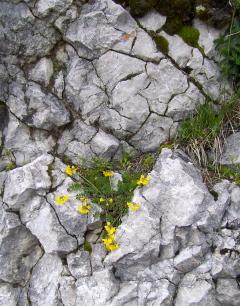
125	161
203	135
229	46
101	186
10	166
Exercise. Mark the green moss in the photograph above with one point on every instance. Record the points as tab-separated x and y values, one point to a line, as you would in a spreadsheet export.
172	25
162	43
87	247
139	8
189	35
168	145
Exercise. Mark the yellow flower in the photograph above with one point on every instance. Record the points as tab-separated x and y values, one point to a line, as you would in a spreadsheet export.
143	180
109	239
112	247
70	169
110	200
107	173
61	199
133	206
84	208
109	228
101	200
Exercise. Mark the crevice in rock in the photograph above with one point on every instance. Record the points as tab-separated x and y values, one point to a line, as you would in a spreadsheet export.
73	236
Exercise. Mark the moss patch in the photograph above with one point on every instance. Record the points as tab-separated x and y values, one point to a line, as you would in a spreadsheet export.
162	43
189	35
172	25
87	247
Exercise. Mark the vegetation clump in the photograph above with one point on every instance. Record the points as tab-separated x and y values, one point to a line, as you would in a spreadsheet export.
111	191
161	43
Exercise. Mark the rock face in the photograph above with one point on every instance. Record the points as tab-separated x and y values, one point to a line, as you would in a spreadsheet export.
80	80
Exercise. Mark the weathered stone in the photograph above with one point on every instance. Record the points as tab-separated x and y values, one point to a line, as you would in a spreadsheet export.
26	144
79	264
184	105
24	34
9	295
193	291
206	39
122	67
53	236
44	281
127	295
20	250
63	20
104	145
152	21
44	111
228	292
28	181
155	130
178	49
97	289
145	48
231	151
59	85
188	259
3	82
165	81
68	290
42	72
77	150
43	8
157	292
207	75
98	254
110	20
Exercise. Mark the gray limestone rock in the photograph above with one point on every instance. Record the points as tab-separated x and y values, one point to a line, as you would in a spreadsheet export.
155	131
42	71
44	111
79	264
9	296
231	151
24	35
175	197
194	291
152	21
53	236
20	251
97	289
28	181
104	145
26	144
68	290
101	25
207	36
228	292
43	8
45	281
184	105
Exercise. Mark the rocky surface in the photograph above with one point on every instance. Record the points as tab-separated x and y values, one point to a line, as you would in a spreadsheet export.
86	79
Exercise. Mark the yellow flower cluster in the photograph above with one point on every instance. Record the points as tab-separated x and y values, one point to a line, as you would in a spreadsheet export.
101	200
133	206
85	206
71	169
109	239
107	173
143	180
61	199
